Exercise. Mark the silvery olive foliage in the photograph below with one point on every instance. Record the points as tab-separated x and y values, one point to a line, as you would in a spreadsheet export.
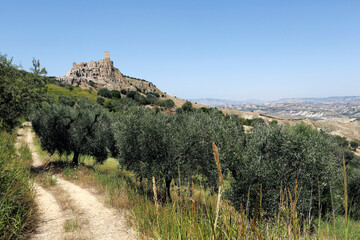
79	128
174	145
276	156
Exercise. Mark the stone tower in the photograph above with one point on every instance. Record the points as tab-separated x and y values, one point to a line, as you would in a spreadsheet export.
107	55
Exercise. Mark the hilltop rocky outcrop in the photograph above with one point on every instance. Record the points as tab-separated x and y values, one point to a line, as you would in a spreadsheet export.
103	74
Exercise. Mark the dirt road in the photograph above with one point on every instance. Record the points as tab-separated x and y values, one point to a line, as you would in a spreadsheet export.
67	211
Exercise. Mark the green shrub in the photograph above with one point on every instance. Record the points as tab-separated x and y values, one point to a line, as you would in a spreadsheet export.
104	92
354	145
131	94
115	94
179	110
151	99
257	121
20	91
169	103
187	106
65	100
124	104
140	99
110	106
341	141
100	100
93	84
153	94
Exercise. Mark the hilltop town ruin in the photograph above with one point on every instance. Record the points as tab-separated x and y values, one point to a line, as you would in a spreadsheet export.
103	74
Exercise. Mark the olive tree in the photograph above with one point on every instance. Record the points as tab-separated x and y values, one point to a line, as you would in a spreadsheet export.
160	145
276	156
84	128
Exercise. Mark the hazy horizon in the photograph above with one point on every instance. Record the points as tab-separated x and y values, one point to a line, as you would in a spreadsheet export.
197	49
262	101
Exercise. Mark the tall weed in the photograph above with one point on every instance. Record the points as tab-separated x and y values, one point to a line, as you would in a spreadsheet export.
16	193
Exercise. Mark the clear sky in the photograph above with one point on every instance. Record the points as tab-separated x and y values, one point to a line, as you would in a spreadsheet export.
235	50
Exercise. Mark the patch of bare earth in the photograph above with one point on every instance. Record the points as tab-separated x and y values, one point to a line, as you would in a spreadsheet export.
67	211
104	222
51	217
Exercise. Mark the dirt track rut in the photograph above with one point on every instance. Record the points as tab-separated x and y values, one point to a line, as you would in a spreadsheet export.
97	220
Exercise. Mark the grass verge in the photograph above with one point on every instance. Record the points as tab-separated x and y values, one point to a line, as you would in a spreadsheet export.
17	206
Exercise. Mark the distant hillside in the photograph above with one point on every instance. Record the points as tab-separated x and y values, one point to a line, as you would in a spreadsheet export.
346	99
213	102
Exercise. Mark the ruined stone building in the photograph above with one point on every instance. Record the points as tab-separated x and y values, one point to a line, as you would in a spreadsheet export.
103	74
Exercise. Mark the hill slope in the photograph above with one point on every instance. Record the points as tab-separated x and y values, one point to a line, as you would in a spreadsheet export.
103	74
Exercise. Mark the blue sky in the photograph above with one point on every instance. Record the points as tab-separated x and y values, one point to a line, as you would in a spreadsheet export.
234	50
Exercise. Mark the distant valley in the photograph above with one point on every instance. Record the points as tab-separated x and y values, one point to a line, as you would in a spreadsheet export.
296	108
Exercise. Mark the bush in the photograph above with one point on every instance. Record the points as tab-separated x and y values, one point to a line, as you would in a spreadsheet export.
100	100
131	94
153	94
168	103
140	99
354	145
123	91
179	110
205	109
124	104
66	100
110	106
187	106
257	121
93	84
20	91
151	99
104	92
115	94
